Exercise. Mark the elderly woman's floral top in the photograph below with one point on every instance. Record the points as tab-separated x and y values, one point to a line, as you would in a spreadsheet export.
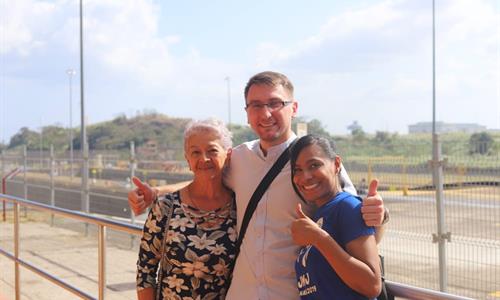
199	248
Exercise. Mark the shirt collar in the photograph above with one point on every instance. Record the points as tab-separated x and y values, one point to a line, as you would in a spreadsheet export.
273	151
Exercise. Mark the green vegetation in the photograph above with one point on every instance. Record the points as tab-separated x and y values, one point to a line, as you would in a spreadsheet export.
167	132
242	133
481	143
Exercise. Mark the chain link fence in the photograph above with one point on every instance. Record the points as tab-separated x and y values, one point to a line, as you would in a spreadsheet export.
471	210
470	236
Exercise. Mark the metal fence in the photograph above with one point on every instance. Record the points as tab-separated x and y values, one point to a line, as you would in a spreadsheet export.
397	289
450	244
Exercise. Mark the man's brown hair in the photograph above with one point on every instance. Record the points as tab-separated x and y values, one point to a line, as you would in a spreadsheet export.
270	78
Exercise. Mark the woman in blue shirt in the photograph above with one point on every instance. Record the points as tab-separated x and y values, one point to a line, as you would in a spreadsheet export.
339	258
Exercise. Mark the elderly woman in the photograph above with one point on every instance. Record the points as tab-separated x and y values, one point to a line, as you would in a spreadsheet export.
191	233
339	258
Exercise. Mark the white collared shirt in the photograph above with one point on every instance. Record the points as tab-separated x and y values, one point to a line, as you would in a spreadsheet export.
265	266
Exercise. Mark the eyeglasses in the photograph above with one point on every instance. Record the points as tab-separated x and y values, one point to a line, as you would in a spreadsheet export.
272	106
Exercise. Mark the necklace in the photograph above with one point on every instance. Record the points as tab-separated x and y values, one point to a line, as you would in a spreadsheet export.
196	205
191	201
208	219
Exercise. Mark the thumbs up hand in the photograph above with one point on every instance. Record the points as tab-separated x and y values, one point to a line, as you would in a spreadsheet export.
141	197
373	206
304	230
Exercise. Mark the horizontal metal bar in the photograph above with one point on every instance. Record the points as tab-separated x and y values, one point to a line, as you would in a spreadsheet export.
38	186
115	225
47	276
14	181
67	190
415	293
108	196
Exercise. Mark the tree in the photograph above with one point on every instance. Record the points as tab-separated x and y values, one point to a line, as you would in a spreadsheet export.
382	137
313	127
355	128
358	135
480	143
27	137
242	134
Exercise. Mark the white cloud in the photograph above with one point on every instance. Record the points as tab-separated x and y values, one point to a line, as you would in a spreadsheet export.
366	61
382	52
21	23
375	20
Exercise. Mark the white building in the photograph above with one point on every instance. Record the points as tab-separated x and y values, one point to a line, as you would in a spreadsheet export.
441	127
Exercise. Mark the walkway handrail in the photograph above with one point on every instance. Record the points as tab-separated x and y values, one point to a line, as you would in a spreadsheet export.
415	293
80	216
397	289
102	224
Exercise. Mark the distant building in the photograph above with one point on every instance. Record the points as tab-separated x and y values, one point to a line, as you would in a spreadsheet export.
354	127
441	127
150	148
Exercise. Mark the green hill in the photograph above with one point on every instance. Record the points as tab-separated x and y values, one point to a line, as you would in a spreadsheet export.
167	131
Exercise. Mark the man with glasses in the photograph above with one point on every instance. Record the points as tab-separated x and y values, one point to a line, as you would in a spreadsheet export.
265	266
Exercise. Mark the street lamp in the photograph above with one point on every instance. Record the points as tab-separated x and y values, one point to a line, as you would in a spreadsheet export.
83	133
70	73
437	165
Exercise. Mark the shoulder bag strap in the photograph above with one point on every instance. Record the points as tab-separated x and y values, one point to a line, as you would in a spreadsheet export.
170	212
257	195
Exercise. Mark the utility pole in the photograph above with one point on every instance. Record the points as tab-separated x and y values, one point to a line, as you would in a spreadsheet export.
83	133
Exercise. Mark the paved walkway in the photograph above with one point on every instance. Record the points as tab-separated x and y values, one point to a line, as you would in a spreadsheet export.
66	252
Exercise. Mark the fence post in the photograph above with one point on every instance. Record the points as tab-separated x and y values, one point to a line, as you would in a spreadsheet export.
52	190
406	183
25	183
4	217
441	236
17	286
102	261
85	184
133	166
2	160
370	174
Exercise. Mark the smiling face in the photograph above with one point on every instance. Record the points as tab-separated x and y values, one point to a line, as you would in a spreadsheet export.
205	155
272	126
316	176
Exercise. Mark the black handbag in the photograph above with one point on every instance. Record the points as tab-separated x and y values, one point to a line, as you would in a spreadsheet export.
384	293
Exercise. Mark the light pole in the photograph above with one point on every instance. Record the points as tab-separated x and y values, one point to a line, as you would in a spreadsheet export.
83	133
228	79
438	163
70	73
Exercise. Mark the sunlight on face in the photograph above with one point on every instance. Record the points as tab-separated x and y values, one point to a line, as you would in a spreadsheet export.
316	175
205	154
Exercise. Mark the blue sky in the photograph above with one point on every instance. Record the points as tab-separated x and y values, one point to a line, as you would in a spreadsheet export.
368	61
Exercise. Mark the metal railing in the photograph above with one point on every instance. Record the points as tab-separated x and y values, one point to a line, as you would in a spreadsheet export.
101	223
397	289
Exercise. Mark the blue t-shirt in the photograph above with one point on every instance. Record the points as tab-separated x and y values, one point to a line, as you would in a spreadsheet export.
341	218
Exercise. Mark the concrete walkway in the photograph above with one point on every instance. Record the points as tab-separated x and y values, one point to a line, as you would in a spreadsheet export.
64	251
